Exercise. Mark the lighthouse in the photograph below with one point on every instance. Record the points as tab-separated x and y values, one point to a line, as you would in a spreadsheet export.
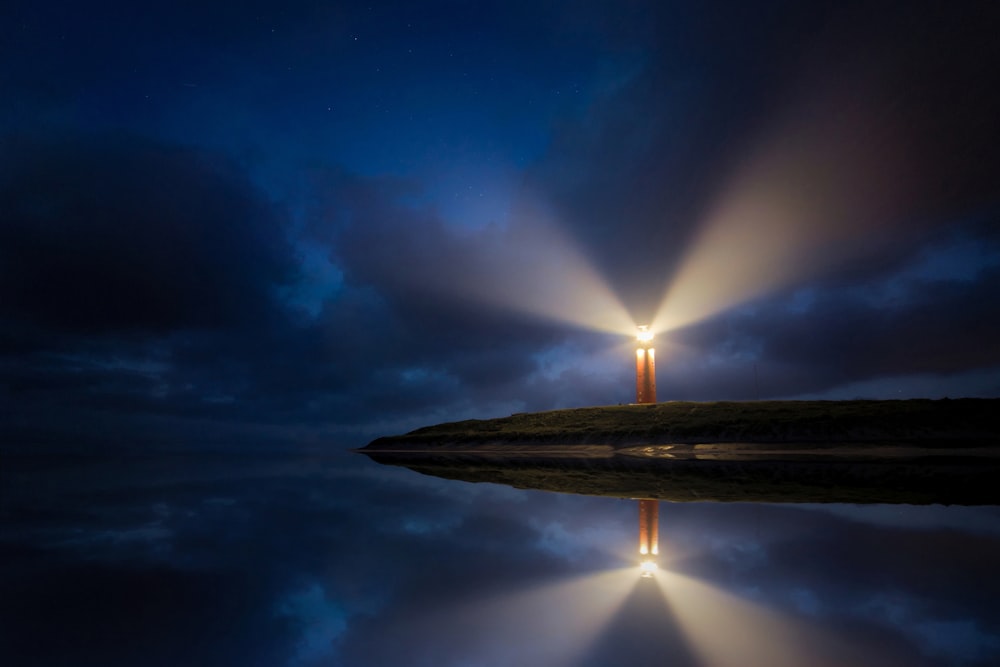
649	548
645	367
645	392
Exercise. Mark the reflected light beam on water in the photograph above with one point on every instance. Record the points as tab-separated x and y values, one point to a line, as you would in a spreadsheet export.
725	629
548	625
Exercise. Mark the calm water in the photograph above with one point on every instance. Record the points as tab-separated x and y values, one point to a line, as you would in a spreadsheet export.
303	560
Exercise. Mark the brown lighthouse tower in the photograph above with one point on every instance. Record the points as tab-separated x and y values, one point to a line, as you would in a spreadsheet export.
649	515
649	548
645	367
645	392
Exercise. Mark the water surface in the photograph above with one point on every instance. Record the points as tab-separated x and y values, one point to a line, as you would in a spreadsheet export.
281	559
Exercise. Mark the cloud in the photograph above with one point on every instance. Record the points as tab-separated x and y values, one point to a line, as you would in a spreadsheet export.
154	288
831	333
823	150
771	169
123	234
139	278
750	154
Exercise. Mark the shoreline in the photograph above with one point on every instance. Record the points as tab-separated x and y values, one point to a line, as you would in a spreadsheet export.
898	452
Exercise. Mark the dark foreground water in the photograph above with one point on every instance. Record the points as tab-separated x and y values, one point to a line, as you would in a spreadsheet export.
270	559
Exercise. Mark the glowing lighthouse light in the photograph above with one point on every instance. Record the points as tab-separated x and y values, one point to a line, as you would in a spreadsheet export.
649	520
645	367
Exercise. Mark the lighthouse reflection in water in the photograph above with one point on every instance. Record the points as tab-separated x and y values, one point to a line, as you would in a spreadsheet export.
649	516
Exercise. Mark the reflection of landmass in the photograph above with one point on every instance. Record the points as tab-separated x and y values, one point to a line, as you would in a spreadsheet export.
915	451
649	535
649	528
962	480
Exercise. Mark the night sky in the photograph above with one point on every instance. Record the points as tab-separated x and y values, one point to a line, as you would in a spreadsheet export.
237	239
320	222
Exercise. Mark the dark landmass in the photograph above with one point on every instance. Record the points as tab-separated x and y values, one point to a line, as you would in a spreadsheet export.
969	421
913	451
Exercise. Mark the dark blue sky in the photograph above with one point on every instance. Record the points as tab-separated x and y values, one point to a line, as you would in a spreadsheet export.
323	222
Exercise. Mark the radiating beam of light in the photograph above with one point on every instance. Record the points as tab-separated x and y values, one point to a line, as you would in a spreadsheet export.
644	631
549	625
539	270
527	266
562	618
825	185
724	629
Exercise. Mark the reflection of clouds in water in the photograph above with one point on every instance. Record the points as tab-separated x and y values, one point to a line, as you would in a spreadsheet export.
321	621
322	557
121	530
961	640
114	539
107	534
848	566
978	520
741	556
417	526
579	529
805	601
565	542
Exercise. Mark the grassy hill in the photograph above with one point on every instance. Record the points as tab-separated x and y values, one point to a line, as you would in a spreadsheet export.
970	422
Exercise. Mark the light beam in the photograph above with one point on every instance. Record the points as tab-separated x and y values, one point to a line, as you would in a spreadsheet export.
823	186
726	629
528	266
553	624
